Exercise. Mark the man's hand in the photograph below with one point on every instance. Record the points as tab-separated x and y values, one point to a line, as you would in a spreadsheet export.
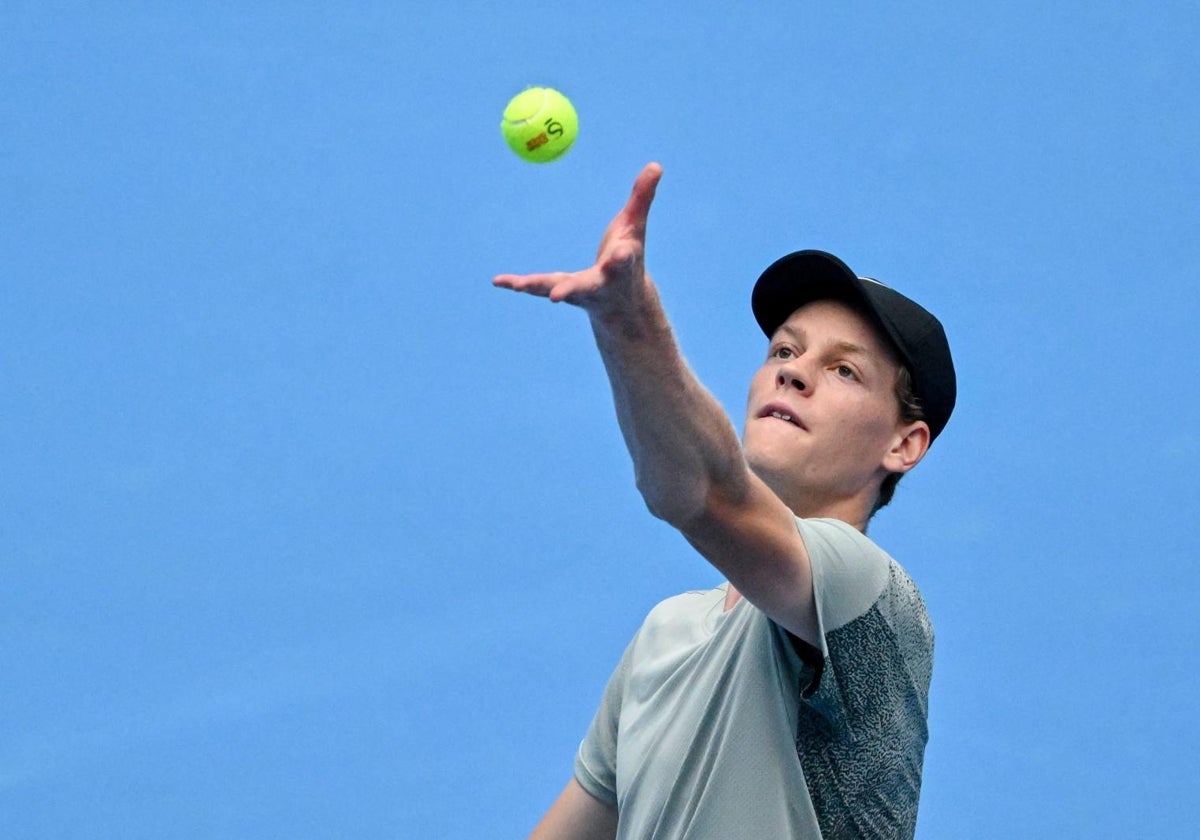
618	277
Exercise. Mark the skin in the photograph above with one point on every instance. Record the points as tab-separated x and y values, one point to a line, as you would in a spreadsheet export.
734	500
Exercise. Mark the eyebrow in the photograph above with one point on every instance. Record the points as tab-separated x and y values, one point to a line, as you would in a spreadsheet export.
849	348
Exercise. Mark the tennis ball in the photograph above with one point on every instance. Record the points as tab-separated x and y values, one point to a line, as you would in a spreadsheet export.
540	124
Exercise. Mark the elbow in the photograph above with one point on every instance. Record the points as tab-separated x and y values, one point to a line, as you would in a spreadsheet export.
671	511
675	504
684	504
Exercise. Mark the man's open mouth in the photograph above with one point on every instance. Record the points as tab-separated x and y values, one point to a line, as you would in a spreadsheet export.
781	413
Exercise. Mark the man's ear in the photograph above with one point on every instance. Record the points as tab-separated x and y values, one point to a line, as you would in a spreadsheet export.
908	447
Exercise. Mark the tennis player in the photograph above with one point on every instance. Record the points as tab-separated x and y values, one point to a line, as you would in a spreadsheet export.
790	701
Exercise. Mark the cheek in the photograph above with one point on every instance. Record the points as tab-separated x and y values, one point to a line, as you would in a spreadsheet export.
760	380
875	422
857	412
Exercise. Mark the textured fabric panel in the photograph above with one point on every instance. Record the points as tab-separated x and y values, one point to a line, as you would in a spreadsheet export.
904	610
861	740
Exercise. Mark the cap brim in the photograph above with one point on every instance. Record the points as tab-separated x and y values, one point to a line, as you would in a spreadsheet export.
804	276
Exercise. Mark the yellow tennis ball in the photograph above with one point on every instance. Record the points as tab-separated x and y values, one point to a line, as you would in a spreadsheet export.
540	124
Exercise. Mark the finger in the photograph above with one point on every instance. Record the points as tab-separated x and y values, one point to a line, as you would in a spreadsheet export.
574	288
531	284
642	196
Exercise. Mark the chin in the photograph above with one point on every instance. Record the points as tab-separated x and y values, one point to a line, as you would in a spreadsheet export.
777	469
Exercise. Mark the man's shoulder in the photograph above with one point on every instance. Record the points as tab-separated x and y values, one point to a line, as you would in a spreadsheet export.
852	573
839	533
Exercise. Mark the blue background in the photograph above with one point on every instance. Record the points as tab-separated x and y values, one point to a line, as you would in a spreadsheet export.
307	531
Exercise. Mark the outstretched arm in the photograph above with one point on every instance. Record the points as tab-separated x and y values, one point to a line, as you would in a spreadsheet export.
687	458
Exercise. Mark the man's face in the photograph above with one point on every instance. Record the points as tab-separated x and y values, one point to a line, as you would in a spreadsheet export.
822	414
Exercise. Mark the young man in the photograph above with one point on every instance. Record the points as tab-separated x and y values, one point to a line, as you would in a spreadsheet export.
791	701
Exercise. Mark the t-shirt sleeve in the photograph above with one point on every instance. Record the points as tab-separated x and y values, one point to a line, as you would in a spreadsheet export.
596	760
849	573
862	727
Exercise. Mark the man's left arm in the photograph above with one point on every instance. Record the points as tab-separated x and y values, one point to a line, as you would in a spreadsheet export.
687	458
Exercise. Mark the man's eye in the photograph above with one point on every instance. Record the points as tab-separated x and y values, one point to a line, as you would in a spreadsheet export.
784	353
846	372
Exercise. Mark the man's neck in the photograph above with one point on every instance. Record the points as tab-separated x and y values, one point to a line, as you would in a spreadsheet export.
854	511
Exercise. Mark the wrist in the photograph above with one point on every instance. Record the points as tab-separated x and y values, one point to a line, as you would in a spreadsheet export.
636	316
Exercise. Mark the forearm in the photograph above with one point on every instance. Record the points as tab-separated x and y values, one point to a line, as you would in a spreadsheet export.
683	446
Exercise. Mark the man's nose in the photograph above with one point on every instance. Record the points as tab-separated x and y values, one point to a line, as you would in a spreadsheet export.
786	379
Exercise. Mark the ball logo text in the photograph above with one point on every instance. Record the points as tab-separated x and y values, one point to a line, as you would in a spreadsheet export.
553	128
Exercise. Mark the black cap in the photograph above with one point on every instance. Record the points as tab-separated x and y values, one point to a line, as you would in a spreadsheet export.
917	336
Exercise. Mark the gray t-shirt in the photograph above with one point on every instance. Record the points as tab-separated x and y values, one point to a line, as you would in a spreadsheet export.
715	726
